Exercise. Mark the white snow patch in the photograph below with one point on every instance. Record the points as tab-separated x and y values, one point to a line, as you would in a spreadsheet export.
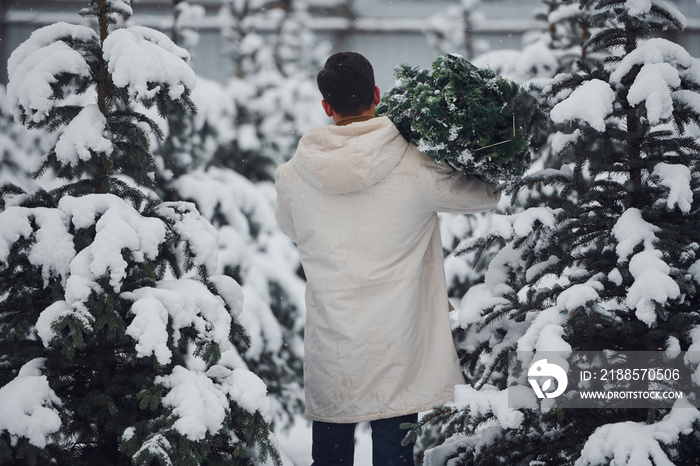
652	284
230	291
141	59
560	140
27	406
15	225
615	276
530	340
197	403
83	135
694	271
688	98
245	388
692	356
550	339
676	178
188	303
538	268
56	311
658	50
122	6
200	235
630	230
149	329
489	400
477	299
34	65
591	102
638	7
578	295
636	443
119	227
653	86
673	347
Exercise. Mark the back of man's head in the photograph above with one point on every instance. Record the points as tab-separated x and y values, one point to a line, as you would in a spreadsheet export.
347	83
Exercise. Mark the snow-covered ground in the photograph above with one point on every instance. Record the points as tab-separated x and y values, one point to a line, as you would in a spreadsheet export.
296	443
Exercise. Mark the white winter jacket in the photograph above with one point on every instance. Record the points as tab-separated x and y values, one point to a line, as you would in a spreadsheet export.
361	203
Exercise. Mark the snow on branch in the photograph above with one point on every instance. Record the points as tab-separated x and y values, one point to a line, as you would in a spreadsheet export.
200	401
652	281
121	6
199	406
652	285
591	103
676	178
118	226
655	51
631	230
636	443
53	248
199	237
664	66
506	406
146	62
84	135
26	404
183	303
36	66
489	400
653	86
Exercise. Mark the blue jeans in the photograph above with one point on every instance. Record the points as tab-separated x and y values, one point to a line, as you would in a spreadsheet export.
334	444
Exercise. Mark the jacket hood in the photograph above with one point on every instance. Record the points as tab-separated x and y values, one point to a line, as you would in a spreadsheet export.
344	159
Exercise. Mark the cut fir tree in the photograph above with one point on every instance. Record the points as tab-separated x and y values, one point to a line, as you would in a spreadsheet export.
466	116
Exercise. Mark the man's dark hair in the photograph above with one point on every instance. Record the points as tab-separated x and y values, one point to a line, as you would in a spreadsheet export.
347	83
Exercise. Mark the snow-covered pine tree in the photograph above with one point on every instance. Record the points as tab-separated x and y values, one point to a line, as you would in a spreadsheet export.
272	99
186	135
611	265
544	54
267	40
115	332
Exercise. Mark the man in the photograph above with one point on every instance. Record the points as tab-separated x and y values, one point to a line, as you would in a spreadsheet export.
361	203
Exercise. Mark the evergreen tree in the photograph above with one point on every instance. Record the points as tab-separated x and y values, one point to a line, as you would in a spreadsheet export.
544	55
116	334
186	137
608	263
273	54
269	103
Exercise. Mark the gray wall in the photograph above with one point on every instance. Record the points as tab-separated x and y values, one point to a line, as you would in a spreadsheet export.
388	32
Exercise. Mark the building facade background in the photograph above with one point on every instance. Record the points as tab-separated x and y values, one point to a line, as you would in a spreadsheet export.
388	32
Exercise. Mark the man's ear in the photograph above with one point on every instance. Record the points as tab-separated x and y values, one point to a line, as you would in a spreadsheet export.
327	108
377	95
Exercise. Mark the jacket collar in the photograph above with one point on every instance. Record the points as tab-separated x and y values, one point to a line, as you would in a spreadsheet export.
353	119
